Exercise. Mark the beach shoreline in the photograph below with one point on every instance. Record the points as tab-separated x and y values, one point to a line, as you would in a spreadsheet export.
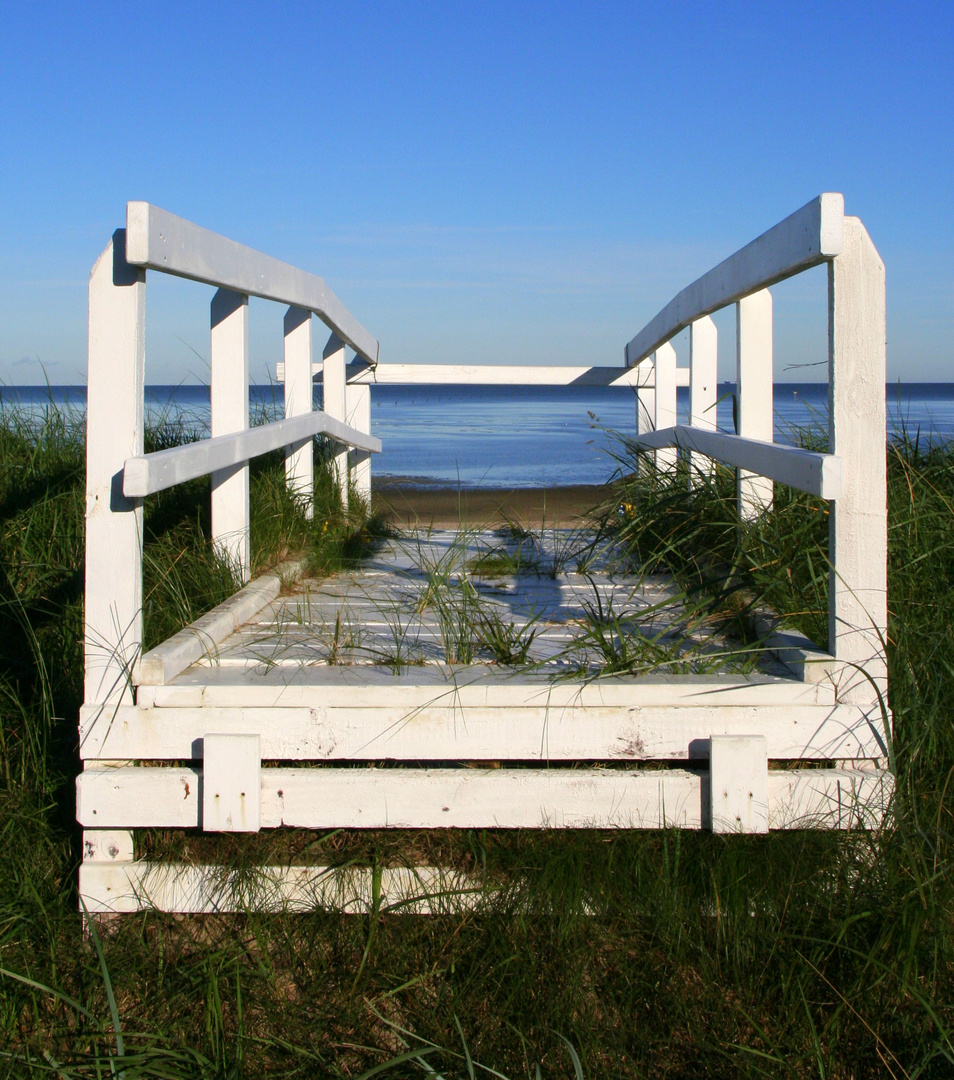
408	505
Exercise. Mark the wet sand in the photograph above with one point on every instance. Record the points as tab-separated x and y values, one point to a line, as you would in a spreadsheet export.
444	508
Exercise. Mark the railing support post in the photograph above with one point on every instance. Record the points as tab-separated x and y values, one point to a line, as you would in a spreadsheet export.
858	531
114	427
335	381
358	400
703	380
299	400
664	361
229	393
755	398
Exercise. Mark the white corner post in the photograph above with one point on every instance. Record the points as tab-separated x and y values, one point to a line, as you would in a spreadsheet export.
858	527
738	783
299	397
229	379
334	392
114	427
703	378
664	362
645	396
755	395
358	400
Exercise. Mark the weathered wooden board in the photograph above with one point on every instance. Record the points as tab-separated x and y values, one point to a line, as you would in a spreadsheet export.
808	237
177	887
446	731
162	241
319	798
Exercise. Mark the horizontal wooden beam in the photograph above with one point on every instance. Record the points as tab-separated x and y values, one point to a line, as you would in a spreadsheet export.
164	469
818	474
159	240
446	731
187	888
492	375
321	798
806	238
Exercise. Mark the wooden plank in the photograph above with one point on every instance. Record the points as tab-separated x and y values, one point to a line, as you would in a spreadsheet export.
358	405
360	373
703	387
738	783
161	241
231	782
320	798
753	344
229	397
664	402
810	236
472	685
335	404
163	469
182	888
114	425
448	732
299	401
202	636
107	845
818	474
858	543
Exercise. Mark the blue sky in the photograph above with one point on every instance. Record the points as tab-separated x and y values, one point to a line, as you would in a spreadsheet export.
478	182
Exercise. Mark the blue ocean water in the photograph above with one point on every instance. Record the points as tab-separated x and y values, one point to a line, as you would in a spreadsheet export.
492	436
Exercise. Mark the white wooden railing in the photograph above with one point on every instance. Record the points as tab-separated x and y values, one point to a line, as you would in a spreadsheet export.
120	475
852	476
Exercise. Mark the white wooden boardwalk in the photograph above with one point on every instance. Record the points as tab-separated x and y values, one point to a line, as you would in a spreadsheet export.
478	680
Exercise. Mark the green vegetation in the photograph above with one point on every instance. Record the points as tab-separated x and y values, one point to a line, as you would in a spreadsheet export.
598	955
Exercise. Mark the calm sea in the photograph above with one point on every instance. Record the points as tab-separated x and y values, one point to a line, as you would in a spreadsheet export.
490	436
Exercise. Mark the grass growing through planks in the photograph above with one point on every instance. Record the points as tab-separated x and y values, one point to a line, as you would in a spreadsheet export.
603	955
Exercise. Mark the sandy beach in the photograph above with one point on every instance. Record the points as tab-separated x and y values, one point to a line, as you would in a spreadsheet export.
442	508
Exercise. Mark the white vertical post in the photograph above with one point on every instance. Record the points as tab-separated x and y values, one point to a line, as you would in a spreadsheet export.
229	379
358	400
334	378
299	398
645	397
858	537
114	420
755	394
703	377
664	362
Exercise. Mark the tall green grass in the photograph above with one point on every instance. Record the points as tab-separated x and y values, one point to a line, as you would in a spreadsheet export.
598	954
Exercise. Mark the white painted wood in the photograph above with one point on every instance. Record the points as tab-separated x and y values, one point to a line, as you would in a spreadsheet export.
810	236
114	426
361	373
818	474
738	783
161	241
754	388
183	888
858	521
335	404
108	846
703	387
664	365
299	401
469	686
358	406
320	798
166	468
445	731
231	782
645	396
202	636
229	395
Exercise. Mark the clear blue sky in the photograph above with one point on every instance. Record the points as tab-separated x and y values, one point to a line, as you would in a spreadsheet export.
478	182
